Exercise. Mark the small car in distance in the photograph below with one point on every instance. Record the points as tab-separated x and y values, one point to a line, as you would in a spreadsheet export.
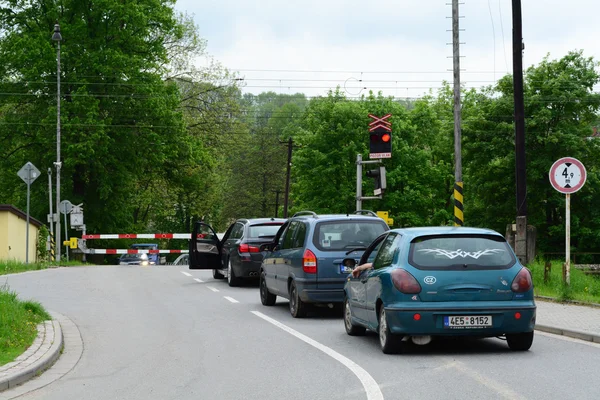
440	281
134	259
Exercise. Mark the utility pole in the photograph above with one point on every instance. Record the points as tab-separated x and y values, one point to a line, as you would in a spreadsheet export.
51	215
57	37
290	145
458	183
520	173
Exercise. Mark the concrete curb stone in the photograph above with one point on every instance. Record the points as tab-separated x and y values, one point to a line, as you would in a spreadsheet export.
40	356
586	336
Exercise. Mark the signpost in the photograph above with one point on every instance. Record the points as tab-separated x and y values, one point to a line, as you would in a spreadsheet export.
567	175
380	142
65	208
29	173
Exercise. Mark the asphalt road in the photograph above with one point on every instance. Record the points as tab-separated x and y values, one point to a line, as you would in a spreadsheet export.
158	333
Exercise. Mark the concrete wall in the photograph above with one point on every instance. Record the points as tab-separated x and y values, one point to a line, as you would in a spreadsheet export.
13	230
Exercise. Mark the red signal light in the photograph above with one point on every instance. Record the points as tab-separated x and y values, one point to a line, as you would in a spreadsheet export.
386	137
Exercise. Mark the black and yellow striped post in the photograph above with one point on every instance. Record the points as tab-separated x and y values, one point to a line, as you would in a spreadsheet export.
459	218
52	258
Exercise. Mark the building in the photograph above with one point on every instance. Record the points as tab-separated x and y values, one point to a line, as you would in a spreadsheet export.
13	228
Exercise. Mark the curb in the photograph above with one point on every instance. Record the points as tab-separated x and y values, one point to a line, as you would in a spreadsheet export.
567	302
588	337
41	364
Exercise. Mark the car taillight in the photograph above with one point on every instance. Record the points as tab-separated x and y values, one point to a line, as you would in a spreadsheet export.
522	282
244	248
405	282
309	262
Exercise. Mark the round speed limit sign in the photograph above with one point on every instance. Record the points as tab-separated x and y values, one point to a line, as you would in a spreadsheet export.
567	175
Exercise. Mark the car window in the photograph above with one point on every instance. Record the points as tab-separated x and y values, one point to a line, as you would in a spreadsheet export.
386	252
345	234
237	231
300	236
461	252
264	230
288	236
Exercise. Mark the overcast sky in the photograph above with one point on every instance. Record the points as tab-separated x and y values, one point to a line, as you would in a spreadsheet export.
397	46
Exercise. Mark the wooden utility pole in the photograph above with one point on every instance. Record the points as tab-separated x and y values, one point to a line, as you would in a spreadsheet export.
520	173
290	144
458	183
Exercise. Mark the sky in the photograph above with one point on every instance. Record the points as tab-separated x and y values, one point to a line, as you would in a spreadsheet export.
399	47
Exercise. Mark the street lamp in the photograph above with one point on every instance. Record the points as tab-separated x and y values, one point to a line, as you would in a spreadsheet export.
57	37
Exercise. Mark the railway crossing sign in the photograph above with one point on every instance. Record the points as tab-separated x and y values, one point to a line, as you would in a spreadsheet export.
568	175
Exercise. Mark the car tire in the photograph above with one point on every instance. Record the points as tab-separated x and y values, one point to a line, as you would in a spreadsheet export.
520	341
217	274
351	329
266	298
232	280
297	306
389	342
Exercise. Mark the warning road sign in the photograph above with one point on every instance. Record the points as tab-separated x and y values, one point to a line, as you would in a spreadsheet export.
567	175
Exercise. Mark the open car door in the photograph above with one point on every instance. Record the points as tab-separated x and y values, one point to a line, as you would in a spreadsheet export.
205	248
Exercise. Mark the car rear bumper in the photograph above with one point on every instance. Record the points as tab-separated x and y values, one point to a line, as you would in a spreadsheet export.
507	317
247	269
310	293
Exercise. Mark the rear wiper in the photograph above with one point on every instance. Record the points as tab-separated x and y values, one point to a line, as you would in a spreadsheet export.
355	249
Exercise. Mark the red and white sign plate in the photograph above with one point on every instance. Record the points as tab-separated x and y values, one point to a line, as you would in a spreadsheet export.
567	175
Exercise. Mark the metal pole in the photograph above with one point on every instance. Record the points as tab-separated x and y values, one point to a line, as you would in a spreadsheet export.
66	237
57	36
287	179
27	228
358	182
458	183
568	238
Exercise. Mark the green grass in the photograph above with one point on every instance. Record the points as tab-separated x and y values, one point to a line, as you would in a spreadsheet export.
12	267
585	288
18	324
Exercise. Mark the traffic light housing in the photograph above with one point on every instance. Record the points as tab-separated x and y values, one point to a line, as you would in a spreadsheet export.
380	181
380	143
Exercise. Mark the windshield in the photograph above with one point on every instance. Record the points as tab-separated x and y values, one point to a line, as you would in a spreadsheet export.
264	230
343	235
460	252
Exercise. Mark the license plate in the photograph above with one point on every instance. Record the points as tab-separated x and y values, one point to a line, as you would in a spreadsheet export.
468	321
345	270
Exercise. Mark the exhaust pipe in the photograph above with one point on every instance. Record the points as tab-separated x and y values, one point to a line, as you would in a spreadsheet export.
253	274
421	340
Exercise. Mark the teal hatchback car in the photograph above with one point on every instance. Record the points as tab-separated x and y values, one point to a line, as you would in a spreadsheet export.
440	281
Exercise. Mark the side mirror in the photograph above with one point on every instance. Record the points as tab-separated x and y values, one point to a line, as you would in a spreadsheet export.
349	263
265	247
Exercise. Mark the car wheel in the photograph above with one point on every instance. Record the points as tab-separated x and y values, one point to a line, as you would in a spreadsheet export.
232	280
351	329
266	298
297	306
217	274
390	343
520	341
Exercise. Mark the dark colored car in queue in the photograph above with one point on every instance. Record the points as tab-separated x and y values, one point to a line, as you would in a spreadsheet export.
440	281
304	261
238	253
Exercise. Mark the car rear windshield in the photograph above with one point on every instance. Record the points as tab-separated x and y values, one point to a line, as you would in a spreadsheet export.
344	235
264	230
459	252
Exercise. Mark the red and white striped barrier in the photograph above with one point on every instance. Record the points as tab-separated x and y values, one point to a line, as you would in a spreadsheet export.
134	251
140	236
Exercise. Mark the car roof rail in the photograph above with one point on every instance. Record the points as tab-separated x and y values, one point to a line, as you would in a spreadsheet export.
366	212
312	213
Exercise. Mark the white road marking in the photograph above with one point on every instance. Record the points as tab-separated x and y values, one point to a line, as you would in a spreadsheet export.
231	299
487	382
567	339
185	273
213	289
369	384
198	280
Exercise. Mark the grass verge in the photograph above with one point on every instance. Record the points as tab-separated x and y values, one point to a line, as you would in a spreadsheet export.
18	324
12	267
585	288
